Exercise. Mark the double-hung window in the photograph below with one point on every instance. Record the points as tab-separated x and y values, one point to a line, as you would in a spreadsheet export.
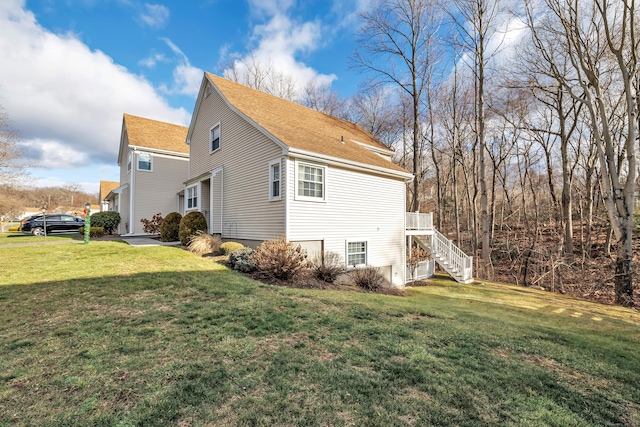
356	253
144	162
214	138
274	180
192	197
311	181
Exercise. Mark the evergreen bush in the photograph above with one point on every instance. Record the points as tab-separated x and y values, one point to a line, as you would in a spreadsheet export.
93	231
170	227
107	220
191	223
243	260
228	247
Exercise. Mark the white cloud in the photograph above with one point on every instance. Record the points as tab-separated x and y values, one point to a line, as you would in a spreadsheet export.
186	77
66	100
155	15
151	61
281	39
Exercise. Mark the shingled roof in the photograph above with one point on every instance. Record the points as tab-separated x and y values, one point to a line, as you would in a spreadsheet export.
303	129
156	135
107	187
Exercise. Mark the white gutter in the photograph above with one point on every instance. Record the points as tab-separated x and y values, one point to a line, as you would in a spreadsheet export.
336	161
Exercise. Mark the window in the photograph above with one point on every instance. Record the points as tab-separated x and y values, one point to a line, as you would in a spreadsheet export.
192	197
311	181
214	137
144	162
274	180
129	157
356	253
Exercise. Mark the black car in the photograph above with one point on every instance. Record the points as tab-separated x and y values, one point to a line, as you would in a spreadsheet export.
54	223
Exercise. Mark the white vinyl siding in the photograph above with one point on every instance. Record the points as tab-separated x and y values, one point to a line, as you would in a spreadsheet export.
240	209
361	207
157	192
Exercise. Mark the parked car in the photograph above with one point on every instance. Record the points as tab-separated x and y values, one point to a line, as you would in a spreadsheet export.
54	223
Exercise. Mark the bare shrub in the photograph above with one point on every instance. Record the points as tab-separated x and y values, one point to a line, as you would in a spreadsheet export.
328	267
203	243
367	278
280	259
152	226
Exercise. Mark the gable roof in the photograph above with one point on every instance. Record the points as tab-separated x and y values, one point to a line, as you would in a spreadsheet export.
156	135
304	130
107	187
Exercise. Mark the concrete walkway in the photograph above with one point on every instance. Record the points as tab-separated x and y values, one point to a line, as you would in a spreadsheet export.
146	241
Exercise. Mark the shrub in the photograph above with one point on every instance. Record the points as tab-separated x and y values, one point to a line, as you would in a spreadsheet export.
228	247
93	231
243	260
281	259
170	227
203	243
367	278
328	267
189	224
107	220
152	226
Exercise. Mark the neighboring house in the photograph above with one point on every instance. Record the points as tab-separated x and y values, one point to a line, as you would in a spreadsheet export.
262	167
154	162
106	187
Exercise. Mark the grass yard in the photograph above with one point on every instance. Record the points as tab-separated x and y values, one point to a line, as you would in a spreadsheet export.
113	335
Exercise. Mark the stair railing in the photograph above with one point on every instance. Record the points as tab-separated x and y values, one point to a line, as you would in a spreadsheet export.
453	255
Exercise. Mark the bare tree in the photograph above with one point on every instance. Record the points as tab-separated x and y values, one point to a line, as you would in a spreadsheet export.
12	165
476	21
375	109
395	43
321	97
602	42
261	75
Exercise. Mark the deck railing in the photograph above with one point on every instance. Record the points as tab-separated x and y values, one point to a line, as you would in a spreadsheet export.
419	221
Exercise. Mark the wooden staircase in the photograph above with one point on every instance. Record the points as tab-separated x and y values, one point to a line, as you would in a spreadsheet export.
448	256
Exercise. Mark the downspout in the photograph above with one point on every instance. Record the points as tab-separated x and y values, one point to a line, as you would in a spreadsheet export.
134	160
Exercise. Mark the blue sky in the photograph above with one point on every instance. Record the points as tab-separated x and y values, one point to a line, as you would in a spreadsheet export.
71	68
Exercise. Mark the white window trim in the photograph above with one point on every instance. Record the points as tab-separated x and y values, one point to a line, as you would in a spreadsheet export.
366	253
324	182
196	187
271	164
150	162
129	161
217	125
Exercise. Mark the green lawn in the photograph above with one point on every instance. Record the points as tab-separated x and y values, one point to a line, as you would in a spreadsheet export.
112	335
15	237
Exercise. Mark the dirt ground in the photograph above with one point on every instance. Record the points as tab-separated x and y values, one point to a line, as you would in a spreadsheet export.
522	259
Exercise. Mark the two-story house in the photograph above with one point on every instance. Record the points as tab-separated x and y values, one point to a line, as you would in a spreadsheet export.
154	163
